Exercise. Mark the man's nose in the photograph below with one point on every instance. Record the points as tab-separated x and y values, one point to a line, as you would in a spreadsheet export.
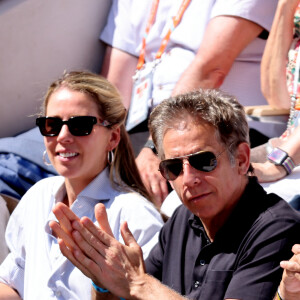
191	176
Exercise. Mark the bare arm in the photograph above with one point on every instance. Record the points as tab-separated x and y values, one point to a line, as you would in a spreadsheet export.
273	66
119	67
147	289
103	296
216	54
7	293
268	172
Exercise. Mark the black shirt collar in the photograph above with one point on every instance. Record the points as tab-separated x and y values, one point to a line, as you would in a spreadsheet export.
244	214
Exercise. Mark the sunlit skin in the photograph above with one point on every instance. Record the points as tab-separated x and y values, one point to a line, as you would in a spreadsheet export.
210	196
78	158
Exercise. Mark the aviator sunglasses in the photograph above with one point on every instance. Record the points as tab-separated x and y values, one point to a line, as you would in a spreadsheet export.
204	161
78	126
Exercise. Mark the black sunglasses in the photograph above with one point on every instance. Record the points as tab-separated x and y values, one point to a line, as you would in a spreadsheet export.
78	126
204	161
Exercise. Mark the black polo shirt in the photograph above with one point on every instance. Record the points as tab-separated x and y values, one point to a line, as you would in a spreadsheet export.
241	263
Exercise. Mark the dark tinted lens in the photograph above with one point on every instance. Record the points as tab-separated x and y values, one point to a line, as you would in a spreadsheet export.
170	169
204	161
49	126
79	126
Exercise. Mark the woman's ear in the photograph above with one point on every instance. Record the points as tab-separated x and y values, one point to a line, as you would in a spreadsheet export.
115	137
243	158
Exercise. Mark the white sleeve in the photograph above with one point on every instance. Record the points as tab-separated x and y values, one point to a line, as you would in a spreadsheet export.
144	221
12	268
125	25
145	224
4	217
260	12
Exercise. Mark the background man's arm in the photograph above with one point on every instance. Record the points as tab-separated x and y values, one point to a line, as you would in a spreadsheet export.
119	67
224	39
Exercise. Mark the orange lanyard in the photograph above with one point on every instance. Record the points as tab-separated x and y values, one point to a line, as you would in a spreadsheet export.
176	20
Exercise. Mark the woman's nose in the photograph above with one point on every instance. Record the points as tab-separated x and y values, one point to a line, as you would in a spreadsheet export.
64	134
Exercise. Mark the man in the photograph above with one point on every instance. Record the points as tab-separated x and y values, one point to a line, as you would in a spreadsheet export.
216	44
227	239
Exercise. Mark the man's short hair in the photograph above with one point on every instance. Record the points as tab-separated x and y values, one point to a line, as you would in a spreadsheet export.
210	106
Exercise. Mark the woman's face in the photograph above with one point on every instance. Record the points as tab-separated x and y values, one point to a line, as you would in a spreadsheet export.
78	158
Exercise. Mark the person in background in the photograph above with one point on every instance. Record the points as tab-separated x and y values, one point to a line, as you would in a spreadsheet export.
274	161
279	65
198	53
227	239
280	85
82	122
21	163
4	216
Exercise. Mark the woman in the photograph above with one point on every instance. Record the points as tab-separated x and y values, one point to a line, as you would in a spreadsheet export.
280	83
86	142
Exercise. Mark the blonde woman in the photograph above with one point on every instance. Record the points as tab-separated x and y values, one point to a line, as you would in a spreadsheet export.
83	127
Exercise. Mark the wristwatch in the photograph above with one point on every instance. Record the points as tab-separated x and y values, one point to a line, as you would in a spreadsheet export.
280	158
149	144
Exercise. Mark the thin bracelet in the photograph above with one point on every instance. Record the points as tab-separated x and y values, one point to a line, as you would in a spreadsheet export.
278	295
101	290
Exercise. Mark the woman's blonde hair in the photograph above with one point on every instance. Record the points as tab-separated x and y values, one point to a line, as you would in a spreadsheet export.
123	168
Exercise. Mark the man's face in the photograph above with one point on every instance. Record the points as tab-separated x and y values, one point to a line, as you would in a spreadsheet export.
209	195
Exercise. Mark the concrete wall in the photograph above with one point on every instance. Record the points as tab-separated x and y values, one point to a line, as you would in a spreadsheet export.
39	39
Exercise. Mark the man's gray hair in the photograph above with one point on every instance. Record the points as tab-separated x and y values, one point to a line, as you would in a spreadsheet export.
210	106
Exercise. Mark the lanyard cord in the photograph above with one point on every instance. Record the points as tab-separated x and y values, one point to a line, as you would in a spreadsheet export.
175	20
149	25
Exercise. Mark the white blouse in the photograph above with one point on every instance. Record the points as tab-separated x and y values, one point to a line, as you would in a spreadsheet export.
36	267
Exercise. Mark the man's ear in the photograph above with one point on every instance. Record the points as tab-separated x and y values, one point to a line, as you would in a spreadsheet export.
243	158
